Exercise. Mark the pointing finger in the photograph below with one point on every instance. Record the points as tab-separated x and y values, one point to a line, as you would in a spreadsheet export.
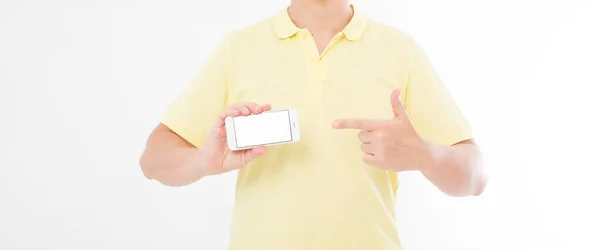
365	124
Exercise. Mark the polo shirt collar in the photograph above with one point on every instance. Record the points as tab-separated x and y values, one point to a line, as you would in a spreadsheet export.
285	28
283	25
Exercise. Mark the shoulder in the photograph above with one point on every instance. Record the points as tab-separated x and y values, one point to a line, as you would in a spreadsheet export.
397	42
378	31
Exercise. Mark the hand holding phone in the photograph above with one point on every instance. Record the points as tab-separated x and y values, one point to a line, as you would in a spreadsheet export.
216	157
264	129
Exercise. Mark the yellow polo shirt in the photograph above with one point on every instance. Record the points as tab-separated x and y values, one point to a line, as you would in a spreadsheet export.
317	193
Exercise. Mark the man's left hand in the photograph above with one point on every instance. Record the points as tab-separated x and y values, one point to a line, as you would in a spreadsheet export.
392	144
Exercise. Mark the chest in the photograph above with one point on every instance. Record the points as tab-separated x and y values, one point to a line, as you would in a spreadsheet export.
347	81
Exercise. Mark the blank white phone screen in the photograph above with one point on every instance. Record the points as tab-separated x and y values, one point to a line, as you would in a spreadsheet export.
265	128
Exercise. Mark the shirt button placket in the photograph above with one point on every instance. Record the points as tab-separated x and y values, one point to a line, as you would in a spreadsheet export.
319	81
315	85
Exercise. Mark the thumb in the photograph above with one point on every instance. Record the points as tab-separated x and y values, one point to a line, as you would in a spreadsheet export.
397	106
253	153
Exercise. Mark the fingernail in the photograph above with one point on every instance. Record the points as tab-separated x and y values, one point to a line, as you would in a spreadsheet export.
336	124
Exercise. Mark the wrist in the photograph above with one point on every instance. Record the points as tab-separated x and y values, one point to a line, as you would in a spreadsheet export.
198	165
434	156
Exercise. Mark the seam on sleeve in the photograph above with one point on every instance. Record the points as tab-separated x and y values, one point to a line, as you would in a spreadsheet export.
451	137
183	131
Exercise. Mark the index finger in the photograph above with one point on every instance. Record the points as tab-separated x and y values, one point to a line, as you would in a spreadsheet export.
366	124
221	117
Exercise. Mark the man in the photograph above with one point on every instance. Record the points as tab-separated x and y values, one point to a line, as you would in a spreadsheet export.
370	105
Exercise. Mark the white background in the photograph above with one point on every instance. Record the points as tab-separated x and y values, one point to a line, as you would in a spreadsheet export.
83	82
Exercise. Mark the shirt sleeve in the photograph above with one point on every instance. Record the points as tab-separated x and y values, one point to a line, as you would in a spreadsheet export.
193	113
432	110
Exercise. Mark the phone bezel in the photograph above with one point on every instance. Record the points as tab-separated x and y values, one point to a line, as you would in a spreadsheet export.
294	128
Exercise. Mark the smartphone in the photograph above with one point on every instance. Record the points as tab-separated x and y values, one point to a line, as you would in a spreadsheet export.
267	128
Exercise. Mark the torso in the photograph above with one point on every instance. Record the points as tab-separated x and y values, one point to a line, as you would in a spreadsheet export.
316	193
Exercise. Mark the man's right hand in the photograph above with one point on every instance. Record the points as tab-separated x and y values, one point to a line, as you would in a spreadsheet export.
216	157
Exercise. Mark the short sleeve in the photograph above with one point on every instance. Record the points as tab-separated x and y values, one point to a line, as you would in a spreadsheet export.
432	110
193	113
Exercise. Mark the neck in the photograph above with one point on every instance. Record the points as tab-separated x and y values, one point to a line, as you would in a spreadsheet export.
320	15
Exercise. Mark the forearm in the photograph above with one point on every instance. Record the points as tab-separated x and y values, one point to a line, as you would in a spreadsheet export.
457	170
171	164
